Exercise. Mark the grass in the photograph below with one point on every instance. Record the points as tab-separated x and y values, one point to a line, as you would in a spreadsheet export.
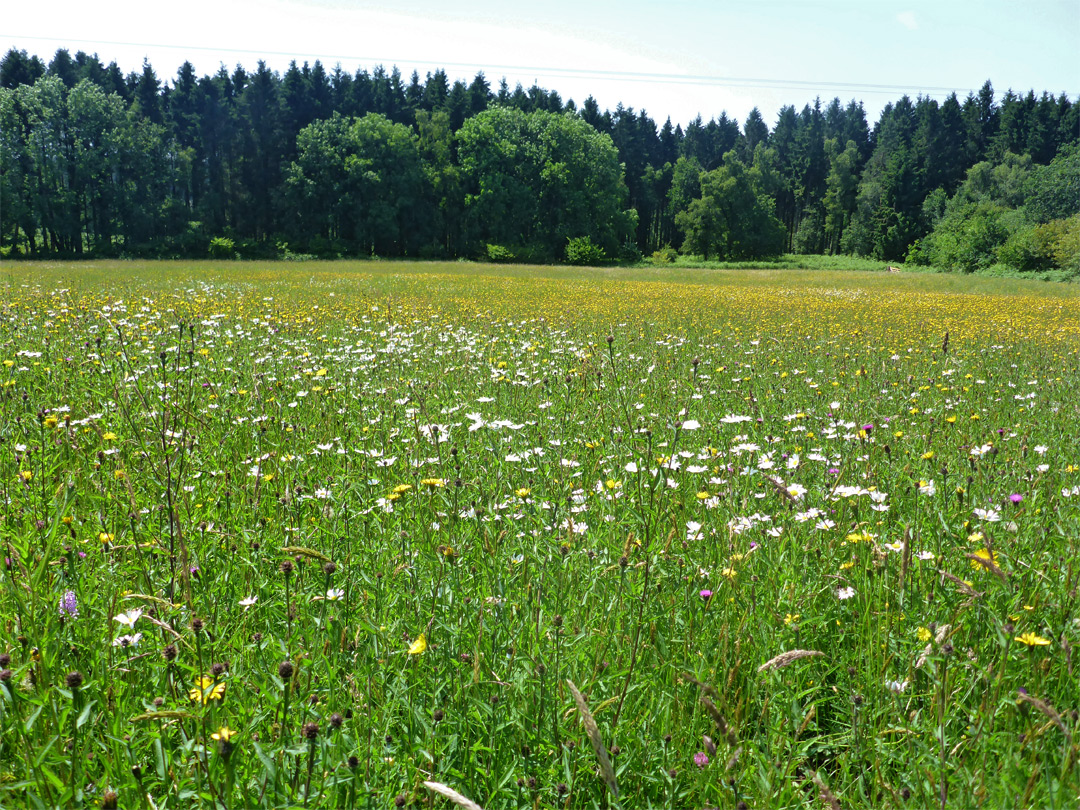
371	534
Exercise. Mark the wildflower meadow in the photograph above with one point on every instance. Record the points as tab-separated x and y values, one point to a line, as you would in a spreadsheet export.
422	535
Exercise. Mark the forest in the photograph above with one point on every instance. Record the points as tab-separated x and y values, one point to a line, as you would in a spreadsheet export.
326	163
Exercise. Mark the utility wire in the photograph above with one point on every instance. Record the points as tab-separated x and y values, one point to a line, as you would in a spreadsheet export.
755	82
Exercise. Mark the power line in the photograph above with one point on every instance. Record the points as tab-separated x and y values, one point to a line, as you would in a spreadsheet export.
703	80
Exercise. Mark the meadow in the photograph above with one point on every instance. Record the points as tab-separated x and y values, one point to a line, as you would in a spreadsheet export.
375	534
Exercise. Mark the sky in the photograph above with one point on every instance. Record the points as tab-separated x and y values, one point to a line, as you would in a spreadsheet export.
677	58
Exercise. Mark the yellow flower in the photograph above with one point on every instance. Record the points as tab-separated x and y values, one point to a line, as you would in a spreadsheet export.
1032	640
50	421
418	646
105	537
223	734
206	689
523	492
109	437
729	572
983	554
923	634
703	495
434	483
402	488
26	475
791	618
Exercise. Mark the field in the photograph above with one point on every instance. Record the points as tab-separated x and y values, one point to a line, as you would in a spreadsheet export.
314	534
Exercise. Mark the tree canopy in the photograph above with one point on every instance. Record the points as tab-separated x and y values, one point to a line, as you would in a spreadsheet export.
94	162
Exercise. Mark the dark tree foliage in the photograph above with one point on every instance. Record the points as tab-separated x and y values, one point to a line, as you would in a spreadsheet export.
96	162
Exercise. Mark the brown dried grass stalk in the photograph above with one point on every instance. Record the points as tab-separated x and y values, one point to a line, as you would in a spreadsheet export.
606	771
989	565
1046	709
783	659
452	795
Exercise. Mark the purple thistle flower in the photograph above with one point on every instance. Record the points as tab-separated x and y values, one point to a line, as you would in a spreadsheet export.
705	594
69	605
868	428
701	759
1016	497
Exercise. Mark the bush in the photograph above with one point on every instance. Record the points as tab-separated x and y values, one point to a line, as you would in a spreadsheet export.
500	254
665	255
222	247
581	251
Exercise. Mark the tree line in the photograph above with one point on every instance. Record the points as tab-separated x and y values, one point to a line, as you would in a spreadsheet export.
94	162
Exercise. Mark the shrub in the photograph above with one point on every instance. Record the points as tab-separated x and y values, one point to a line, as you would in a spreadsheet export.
582	251
500	254
665	255
222	247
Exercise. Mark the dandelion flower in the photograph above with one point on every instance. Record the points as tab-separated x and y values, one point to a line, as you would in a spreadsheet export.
418	646
1032	640
206	689
223	734
983	554
433	483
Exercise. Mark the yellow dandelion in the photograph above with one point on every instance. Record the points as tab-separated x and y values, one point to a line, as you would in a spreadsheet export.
401	489
523	492
418	646
105	537
923	634
1032	640
206	689
433	483
109	437
223	734
983	554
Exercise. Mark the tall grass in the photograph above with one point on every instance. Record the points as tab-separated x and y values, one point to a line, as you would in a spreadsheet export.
361	535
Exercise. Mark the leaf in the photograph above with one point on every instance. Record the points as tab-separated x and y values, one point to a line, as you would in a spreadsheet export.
84	715
32	719
271	769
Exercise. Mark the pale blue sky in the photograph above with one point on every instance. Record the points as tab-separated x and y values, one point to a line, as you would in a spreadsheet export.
675	58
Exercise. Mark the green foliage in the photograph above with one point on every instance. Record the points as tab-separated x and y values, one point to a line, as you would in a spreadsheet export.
582	251
539	179
731	220
499	254
222	247
1053	191
665	255
358	186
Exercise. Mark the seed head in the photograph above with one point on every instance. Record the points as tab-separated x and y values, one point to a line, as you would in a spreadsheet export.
74	680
